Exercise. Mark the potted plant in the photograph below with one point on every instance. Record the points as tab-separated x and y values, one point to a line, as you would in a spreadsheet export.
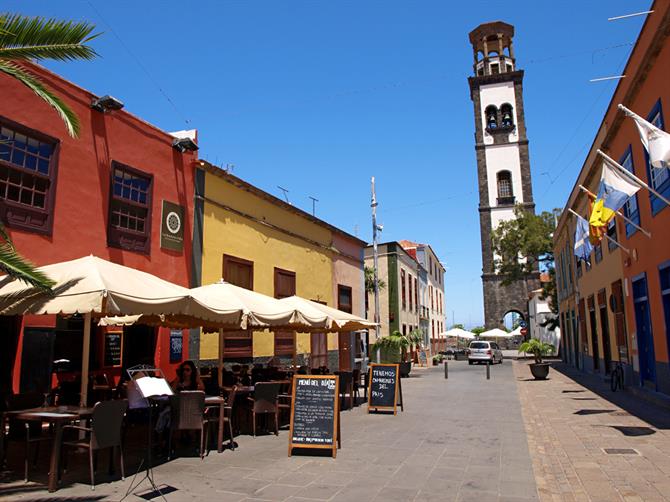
437	359
394	350
538	349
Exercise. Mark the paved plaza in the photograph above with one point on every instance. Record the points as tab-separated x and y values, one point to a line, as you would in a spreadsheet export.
466	438
573	419
458	439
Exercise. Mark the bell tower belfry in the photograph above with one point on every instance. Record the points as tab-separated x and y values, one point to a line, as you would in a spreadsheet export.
503	166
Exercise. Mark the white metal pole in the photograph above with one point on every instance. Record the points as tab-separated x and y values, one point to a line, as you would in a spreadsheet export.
625	171
617	212
220	362
375	258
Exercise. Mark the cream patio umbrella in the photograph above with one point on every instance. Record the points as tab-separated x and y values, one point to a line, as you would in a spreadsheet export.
260	311
338	320
96	288
459	333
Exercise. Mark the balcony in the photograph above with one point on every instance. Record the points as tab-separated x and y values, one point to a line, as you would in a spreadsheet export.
506	201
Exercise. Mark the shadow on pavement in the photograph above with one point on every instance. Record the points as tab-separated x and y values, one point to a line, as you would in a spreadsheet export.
654	415
592	412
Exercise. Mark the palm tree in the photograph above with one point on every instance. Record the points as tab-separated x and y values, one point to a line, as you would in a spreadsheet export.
370	280
25	39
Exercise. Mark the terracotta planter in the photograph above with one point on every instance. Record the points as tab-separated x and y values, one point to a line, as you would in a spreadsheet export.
539	370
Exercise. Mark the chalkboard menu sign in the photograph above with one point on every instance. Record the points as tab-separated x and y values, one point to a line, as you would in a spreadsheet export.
112	356
314	412
176	345
384	383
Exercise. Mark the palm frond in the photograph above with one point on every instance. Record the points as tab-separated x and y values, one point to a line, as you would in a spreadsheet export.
5	237
19	268
23	31
62	52
67	115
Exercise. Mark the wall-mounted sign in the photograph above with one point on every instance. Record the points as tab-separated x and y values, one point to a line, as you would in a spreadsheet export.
176	345
172	226
112	348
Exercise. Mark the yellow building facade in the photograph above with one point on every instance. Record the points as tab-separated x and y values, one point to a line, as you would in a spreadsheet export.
276	248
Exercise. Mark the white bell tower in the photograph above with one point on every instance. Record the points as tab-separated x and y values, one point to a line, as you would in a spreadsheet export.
503	166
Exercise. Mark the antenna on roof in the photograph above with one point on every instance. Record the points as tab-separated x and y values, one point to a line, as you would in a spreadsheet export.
285	194
314	201
229	168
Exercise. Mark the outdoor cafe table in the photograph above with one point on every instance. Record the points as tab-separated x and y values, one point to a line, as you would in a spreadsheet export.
56	415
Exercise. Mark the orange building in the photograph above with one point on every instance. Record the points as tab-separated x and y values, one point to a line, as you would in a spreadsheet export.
634	294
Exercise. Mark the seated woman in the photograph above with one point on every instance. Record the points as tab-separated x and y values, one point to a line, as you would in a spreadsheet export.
187	378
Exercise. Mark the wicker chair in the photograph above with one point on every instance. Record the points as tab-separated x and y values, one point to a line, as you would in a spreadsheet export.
189	414
264	402
105	432
228	410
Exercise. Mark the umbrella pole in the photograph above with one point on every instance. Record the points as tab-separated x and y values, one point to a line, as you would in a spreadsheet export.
86	351
295	349
220	362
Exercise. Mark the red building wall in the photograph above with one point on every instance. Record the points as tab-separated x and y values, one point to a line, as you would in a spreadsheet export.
80	214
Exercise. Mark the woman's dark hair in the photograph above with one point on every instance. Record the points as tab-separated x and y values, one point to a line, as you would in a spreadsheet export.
194	374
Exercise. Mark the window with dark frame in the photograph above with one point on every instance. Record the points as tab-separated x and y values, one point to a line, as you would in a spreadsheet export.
238	271
505	191
630	208
659	179
344	298
611	233
402	288
598	251
416	295
410	295
28	166
284	283
129	221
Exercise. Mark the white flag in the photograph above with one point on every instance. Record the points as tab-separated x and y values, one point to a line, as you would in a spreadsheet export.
656	141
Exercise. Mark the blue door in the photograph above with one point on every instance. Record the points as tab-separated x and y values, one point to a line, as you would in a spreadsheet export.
645	342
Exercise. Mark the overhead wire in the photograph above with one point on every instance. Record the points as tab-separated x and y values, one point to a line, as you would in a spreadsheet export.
140	65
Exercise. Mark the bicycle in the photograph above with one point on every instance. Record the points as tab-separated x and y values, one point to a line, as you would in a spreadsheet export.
617	378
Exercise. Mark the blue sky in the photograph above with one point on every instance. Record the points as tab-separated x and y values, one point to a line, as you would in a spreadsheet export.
318	96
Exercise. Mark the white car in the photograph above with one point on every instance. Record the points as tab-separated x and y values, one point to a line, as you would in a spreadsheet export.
485	352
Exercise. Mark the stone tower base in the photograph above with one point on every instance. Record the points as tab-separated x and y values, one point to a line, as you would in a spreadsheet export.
499	299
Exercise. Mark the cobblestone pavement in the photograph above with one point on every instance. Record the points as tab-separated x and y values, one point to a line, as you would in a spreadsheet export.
571	419
460	439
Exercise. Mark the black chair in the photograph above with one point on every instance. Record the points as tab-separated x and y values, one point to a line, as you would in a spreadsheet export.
356	384
265	402
346	379
30	431
228	378
105	432
188	413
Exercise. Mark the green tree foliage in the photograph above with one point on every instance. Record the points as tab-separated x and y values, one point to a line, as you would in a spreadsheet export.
478	330
457	326
24	38
393	347
525	244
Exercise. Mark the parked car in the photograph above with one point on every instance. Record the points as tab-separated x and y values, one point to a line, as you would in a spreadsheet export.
485	352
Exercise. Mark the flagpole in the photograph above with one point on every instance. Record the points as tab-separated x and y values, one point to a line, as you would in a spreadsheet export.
614	163
607	236
594	196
